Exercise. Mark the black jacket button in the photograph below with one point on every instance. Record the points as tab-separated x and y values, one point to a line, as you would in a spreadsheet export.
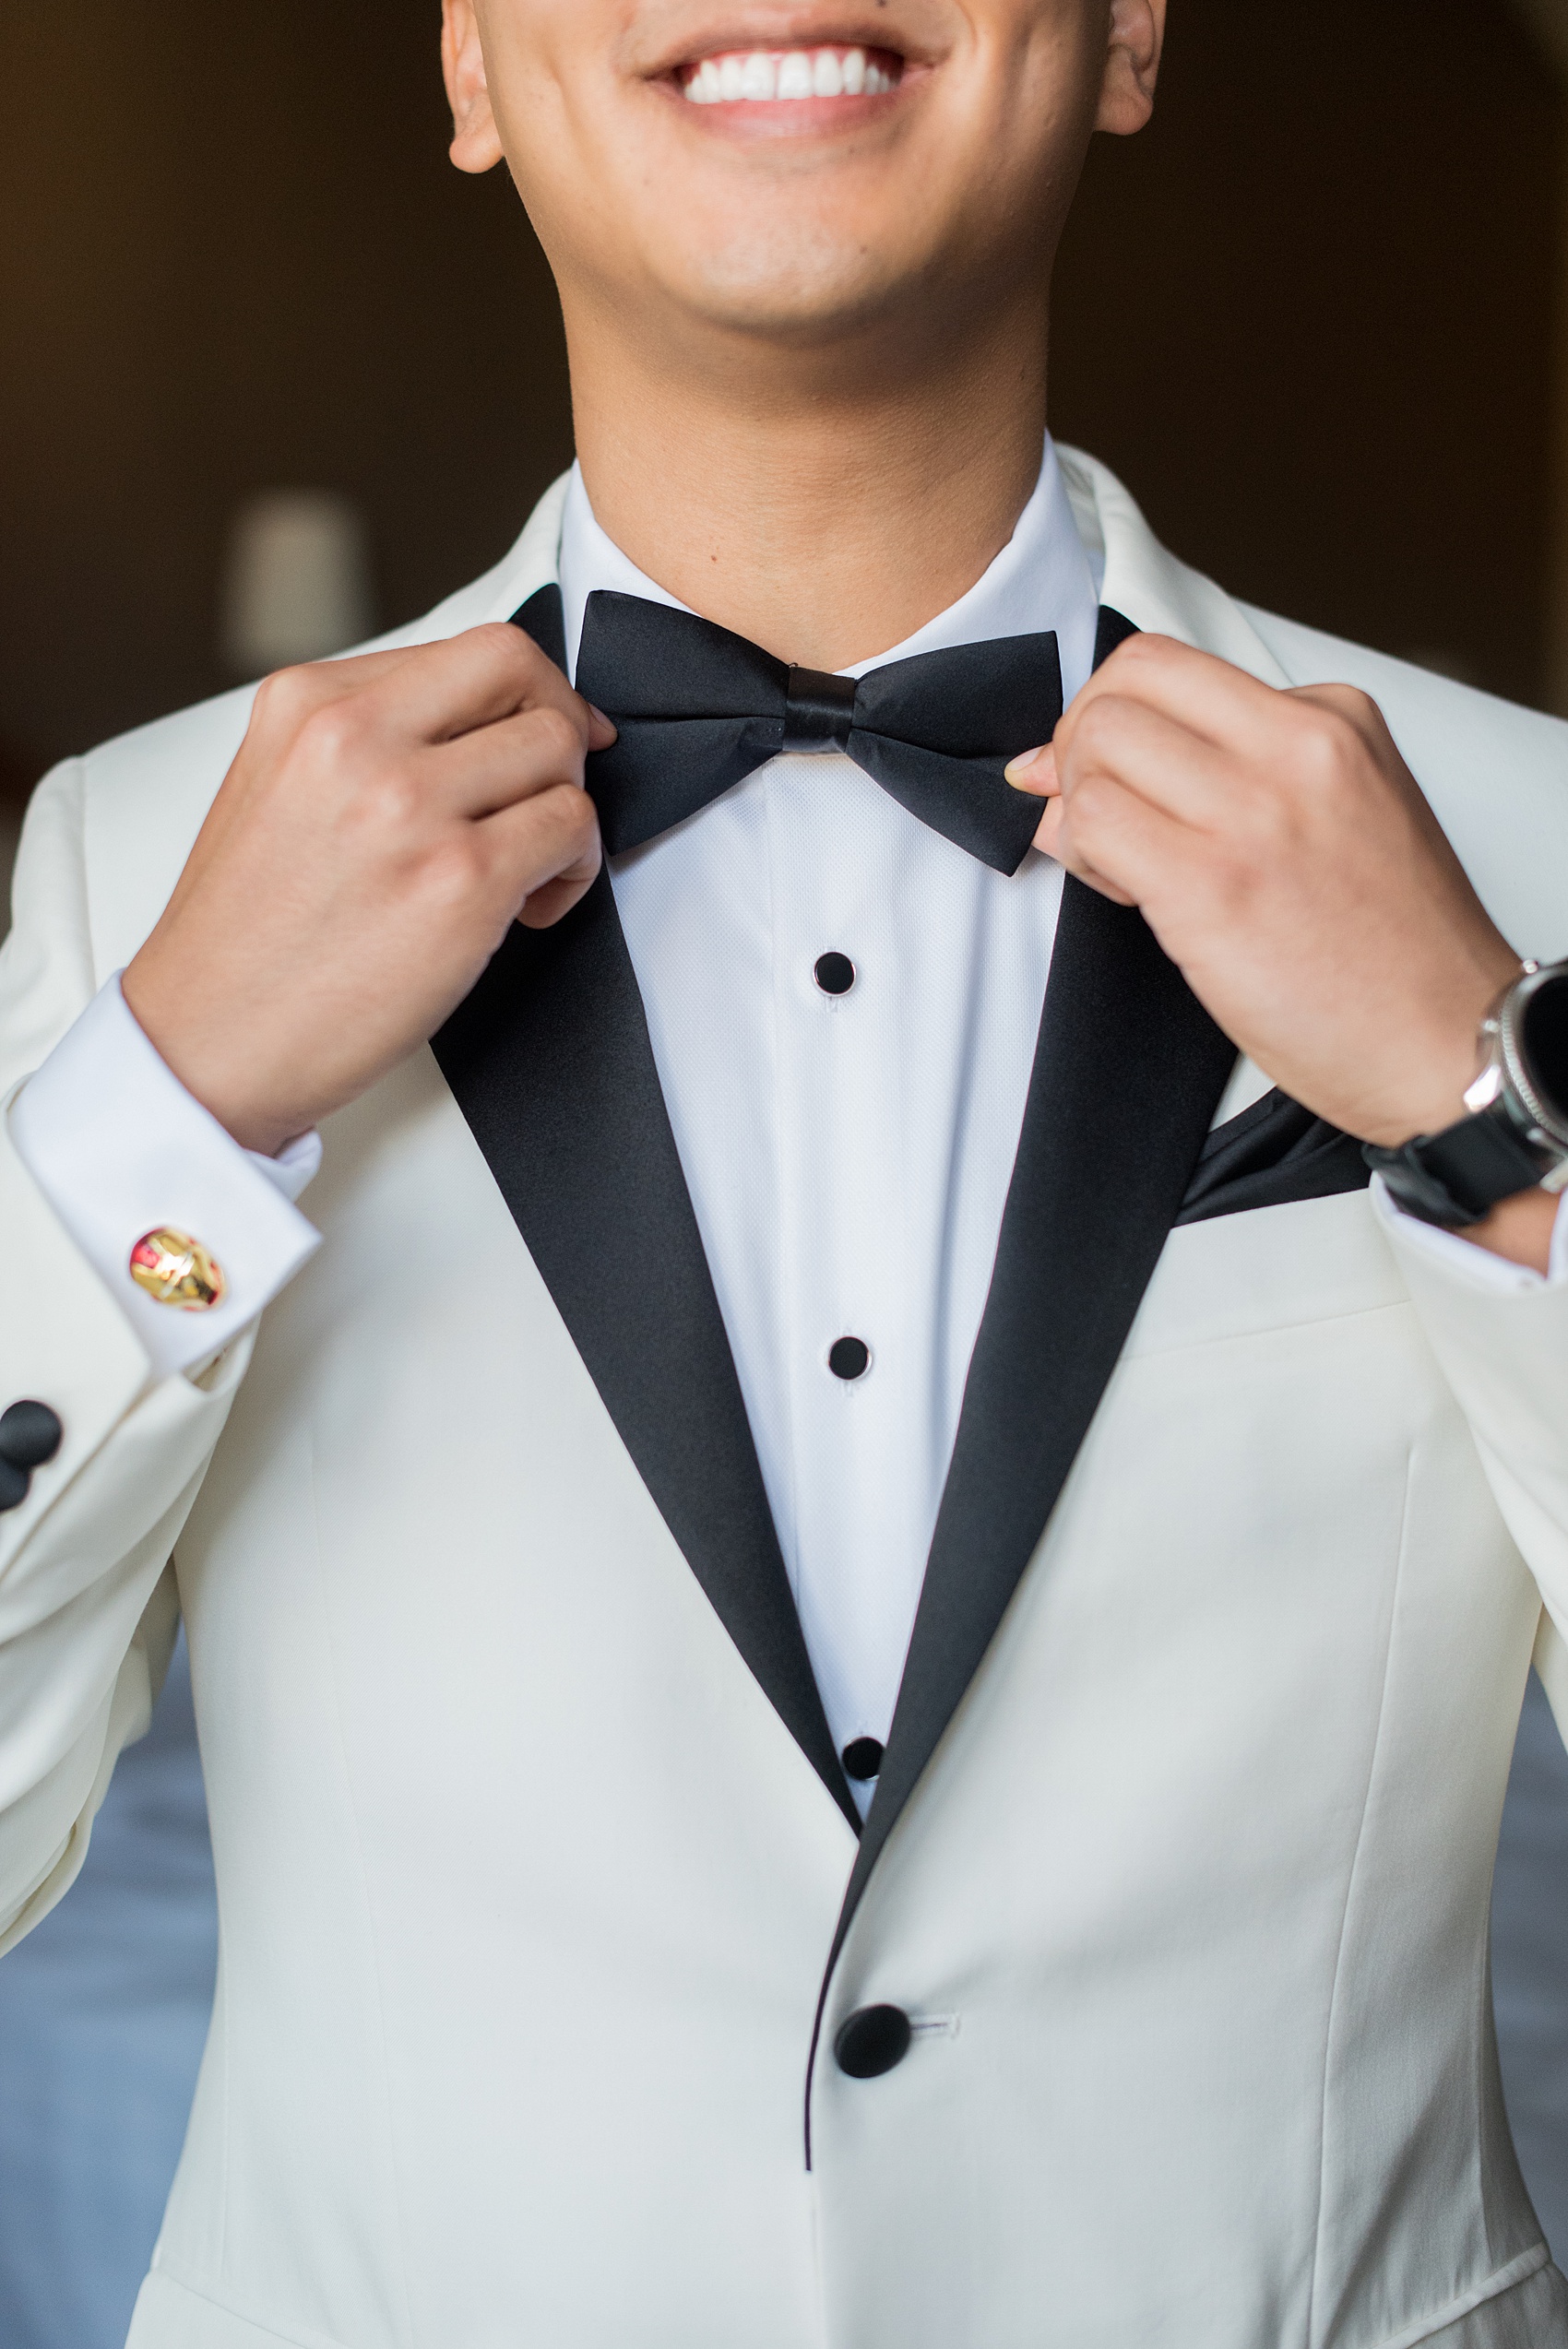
873	2041
30	1434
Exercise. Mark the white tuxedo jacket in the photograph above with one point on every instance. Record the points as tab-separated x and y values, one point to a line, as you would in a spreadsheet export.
532	1859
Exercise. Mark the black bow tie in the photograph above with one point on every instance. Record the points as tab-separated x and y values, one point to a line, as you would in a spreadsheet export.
699	708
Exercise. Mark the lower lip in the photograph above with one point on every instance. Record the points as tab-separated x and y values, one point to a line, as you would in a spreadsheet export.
791	117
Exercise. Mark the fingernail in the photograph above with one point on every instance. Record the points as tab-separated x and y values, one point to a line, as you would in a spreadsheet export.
1015	768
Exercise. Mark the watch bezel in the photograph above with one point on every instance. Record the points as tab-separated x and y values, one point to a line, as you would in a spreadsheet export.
1539	1119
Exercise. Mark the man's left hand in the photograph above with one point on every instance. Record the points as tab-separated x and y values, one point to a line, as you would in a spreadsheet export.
1282	853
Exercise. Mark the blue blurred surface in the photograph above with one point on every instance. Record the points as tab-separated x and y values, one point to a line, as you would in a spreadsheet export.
104	2010
1529	1963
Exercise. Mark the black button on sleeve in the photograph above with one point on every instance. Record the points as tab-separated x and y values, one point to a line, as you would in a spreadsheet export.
873	2040
834	974
30	1434
848	1357
862	1759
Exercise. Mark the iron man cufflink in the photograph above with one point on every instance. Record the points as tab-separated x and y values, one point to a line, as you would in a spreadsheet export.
174	1269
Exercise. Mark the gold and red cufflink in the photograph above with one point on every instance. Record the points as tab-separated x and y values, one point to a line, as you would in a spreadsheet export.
174	1269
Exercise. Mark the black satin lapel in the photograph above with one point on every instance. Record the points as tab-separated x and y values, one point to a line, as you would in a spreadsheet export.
1115	629
543	618
1272	1156
549	1061
1128	1073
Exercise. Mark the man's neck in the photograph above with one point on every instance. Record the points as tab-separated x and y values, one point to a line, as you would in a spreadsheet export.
825	513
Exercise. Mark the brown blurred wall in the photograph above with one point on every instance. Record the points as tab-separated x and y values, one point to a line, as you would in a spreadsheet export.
1547	23
1308	315
233	255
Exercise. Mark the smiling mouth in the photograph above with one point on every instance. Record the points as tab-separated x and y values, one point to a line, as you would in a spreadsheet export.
785	77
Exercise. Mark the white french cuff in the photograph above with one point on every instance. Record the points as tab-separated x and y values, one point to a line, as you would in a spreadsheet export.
1461	1257
122	1152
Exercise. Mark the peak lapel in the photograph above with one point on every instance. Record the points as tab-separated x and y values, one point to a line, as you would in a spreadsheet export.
1127	1076
549	1061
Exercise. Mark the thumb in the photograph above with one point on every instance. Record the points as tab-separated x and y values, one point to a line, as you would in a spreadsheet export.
1035	771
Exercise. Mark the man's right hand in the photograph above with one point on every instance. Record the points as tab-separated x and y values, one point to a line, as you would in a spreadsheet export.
385	821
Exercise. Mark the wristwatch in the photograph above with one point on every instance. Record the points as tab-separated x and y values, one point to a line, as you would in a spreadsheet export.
1516	1133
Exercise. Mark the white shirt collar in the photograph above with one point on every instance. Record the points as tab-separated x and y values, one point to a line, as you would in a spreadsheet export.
1041	579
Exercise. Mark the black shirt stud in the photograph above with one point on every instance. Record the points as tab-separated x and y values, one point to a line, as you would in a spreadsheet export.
873	2040
862	1759
848	1357
30	1434
834	974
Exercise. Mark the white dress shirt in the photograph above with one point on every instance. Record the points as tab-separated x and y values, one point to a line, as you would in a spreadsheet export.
847	1154
120	1149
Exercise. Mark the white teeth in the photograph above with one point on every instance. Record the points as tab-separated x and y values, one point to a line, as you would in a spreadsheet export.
758	76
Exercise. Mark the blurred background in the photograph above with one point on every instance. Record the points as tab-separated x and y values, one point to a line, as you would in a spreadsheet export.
275	375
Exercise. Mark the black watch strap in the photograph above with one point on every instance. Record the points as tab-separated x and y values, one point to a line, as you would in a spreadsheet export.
1458	1176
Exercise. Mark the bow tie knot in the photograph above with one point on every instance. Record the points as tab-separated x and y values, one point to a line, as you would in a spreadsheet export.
698	708
818	708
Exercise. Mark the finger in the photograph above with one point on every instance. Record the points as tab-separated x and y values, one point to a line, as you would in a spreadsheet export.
344	673
1103	888
436	692
1034	771
513	759
548	847
284	699
1118	841
546	906
1348	702
1049	841
1159	757
1157	671
1210	696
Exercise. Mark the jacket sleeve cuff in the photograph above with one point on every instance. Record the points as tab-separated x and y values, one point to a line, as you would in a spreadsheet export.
1502	1344
119	1148
1479	1266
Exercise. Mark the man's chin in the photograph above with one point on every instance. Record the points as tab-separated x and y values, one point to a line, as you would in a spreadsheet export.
813	315
797	281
